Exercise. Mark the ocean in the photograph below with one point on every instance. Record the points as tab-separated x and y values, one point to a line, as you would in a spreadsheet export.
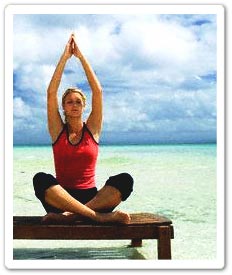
176	181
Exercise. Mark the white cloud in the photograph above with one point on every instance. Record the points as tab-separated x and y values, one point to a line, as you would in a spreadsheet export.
21	110
152	68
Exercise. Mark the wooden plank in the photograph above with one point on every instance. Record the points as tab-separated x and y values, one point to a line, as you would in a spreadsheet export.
142	226
67	232
136	218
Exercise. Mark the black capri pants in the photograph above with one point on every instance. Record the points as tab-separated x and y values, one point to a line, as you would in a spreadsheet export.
42	181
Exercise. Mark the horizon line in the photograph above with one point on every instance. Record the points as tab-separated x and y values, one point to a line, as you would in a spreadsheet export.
130	144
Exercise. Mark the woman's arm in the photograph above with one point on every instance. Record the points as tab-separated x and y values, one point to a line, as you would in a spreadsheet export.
55	123
94	121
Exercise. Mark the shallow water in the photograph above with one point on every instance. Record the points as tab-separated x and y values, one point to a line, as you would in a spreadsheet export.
178	181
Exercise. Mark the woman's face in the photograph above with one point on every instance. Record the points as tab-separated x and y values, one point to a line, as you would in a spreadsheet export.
73	105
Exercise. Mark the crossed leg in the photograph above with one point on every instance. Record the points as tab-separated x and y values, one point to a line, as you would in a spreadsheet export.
107	198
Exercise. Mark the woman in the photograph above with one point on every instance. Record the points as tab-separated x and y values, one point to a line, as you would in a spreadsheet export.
73	194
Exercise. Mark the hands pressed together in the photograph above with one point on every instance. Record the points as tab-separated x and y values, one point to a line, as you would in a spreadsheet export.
72	48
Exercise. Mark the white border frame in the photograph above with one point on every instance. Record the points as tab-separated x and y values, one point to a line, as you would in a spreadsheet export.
10	10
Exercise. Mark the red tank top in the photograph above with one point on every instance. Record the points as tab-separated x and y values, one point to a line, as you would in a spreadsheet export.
75	164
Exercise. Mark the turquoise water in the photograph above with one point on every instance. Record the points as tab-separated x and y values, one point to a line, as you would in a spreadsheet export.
178	181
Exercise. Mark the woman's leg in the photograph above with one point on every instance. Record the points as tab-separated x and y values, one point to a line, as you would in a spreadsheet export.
56	200
117	188
60	198
107	198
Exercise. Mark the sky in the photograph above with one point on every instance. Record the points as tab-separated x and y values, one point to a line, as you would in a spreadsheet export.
158	73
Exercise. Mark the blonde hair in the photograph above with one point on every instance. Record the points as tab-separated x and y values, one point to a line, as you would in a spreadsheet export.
73	90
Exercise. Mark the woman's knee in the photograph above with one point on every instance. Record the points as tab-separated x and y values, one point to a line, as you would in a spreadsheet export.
39	178
123	182
41	182
126	180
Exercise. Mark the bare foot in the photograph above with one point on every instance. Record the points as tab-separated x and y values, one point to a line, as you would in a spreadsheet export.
68	218
58	218
116	216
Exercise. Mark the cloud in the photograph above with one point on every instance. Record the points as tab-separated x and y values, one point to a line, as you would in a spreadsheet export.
21	110
158	72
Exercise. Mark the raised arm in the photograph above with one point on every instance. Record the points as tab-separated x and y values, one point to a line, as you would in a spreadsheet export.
94	121
55	123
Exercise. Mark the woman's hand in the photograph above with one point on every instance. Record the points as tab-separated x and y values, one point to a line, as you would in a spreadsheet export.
75	50
68	51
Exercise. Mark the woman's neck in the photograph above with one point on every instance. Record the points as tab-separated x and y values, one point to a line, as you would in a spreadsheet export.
74	125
